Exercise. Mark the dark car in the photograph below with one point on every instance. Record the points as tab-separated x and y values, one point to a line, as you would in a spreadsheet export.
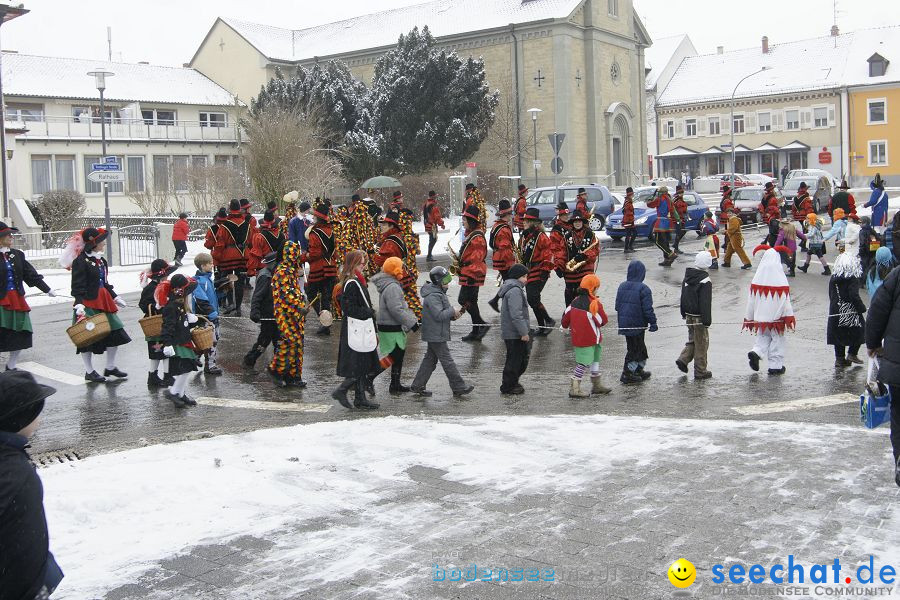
599	200
645	218
747	199
819	190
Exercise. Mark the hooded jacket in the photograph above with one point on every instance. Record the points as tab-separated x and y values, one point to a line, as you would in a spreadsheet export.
514	319
262	304
584	326
436	314
394	313
206	301
696	295
878	202
634	301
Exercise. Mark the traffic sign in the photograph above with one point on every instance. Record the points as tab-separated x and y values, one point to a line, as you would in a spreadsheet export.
110	160
105	167
537	164
107	176
556	165
556	141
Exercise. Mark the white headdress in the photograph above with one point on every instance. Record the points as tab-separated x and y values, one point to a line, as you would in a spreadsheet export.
769	302
847	266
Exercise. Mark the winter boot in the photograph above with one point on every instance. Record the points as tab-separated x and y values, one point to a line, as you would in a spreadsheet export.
363	402
628	377
597	386
396	388
854	359
495	303
715	264
644	375
780	371
251	357
340	394
575	390
754	360
702	375
153	380
803	268
827	270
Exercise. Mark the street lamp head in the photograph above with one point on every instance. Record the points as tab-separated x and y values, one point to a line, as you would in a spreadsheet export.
100	78
766	68
534	112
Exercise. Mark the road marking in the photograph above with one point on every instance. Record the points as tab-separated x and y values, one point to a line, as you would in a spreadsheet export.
48	373
258	405
804	404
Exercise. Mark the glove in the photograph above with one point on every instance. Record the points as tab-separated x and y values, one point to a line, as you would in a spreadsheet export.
415	327
52	294
168	351
79	310
120	302
254	317
559	272
192	318
654	327
580	257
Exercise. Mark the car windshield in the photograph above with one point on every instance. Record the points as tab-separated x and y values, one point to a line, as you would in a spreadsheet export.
745	194
542	197
794	184
642	197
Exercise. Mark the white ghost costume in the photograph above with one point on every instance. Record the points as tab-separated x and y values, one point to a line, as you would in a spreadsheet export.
769	309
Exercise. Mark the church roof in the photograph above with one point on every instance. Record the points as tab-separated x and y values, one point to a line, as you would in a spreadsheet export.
381	29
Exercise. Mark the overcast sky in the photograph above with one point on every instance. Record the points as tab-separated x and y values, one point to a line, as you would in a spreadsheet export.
168	32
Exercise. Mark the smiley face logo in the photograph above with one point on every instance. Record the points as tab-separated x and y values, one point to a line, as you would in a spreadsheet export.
682	573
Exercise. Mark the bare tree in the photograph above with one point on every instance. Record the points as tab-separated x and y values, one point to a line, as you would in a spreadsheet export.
508	138
210	186
153	202
286	151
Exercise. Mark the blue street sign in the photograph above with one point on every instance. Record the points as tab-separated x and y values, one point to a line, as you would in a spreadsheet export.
110	160
106	167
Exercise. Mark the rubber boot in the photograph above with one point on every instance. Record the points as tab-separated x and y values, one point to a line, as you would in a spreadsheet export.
597	386
396	387
575	390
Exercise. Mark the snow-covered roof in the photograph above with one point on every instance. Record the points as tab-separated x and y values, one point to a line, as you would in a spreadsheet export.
377	30
742	148
765	147
804	65
657	57
56	77
795	145
713	150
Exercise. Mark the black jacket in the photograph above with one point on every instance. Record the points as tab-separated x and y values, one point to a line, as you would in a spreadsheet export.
23	273
24	544
147	303
895	234
847	289
175	329
696	295
86	278
262	305
359	306
883	327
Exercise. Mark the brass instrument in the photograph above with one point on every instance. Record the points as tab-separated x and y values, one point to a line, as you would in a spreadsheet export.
571	265
454	260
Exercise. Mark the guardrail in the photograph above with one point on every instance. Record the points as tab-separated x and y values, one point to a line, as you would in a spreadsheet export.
75	129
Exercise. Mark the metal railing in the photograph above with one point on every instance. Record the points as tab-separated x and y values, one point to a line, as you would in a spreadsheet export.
138	244
118	129
44	244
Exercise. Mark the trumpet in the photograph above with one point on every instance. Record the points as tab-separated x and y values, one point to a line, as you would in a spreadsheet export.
571	265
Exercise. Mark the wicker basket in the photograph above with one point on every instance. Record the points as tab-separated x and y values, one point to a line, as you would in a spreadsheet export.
151	325
203	337
90	330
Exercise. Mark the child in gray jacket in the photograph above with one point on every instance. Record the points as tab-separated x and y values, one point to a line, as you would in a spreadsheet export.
436	316
515	327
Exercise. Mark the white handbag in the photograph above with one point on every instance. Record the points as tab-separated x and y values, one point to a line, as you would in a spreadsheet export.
361	336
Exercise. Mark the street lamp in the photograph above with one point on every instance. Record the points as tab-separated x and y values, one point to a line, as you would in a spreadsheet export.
7	13
766	68
100	82
534	113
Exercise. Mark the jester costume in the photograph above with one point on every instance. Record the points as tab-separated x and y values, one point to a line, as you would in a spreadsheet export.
362	233
413	249
290	316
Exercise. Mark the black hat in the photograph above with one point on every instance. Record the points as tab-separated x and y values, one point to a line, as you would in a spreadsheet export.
181	285
878	182
355	198
437	275
679	188
245	203
321	210
222	214
93	236
708	215
532	214
234	206
844	185
726	188
504	207
21	400
802	185
392	216
517	270
629	190
182	215
562	208
432	194
397	194
580	190
269	258
304	206
161	268
522	187
579	215
470	186
269	219
272	205
6	229
471	212
769	185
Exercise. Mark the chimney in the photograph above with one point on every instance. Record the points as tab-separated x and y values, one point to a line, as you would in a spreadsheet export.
765	44
720	49
835	31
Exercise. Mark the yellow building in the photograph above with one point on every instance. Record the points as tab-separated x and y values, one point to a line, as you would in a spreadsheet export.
874	105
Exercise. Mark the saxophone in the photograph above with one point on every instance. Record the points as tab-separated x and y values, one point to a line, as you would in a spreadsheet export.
571	265
454	260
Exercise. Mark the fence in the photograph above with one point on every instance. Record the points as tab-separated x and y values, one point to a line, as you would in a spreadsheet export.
45	244
138	244
76	128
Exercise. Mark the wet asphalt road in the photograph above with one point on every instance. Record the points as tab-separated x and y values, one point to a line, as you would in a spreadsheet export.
105	418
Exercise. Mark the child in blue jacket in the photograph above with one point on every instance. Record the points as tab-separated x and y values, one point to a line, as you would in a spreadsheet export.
206	303
634	307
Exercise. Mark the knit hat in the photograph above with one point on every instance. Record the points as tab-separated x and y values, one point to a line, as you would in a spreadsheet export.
503	207
838	214
883	256
439	275
21	400
703	260
393	266
517	270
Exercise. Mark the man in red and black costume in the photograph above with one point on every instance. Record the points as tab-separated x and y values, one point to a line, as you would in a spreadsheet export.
681	212
581	201
392	244
432	218
267	240
582	246
558	239
246	208
502	243
845	200
322	268
768	206
472	271
210	242
521	206
628	220
534	248
396	201
233	240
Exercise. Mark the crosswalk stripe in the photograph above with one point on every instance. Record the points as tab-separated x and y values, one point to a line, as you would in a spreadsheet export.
258	405
49	373
802	404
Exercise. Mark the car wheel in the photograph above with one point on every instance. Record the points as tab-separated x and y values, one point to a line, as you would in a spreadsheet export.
597	222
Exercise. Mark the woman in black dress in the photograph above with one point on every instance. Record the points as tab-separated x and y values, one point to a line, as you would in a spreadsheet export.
846	329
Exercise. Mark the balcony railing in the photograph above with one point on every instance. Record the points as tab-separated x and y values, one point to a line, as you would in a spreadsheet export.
79	129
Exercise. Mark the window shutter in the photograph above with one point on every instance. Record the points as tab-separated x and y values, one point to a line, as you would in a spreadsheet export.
805	118
725	123
777	120
750	122
831	115
701	125
679	128
664	131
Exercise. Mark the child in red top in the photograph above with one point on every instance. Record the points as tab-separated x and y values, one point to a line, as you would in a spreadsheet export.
584	318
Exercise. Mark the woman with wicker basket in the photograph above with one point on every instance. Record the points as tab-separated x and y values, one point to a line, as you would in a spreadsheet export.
174	298
15	273
152	322
96	304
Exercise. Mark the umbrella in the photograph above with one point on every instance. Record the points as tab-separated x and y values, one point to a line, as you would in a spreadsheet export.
381	181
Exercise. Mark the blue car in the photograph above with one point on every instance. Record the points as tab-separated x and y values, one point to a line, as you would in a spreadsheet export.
598	198
645	218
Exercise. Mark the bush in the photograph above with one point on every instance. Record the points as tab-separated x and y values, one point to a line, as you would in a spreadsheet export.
59	210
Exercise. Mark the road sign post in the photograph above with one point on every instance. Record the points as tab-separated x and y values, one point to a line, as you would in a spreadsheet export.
556	142
107	176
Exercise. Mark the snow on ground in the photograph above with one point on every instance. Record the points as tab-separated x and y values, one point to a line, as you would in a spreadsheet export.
112	517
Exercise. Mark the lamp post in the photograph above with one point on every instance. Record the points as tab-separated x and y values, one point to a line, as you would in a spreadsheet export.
7	13
732	118
534	113
100	81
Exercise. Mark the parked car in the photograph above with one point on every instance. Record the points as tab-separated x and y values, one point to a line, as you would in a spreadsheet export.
820	190
599	200
747	199
761	179
814	172
739	181
645	218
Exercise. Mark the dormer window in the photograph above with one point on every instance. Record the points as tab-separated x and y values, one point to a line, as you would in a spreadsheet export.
877	65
